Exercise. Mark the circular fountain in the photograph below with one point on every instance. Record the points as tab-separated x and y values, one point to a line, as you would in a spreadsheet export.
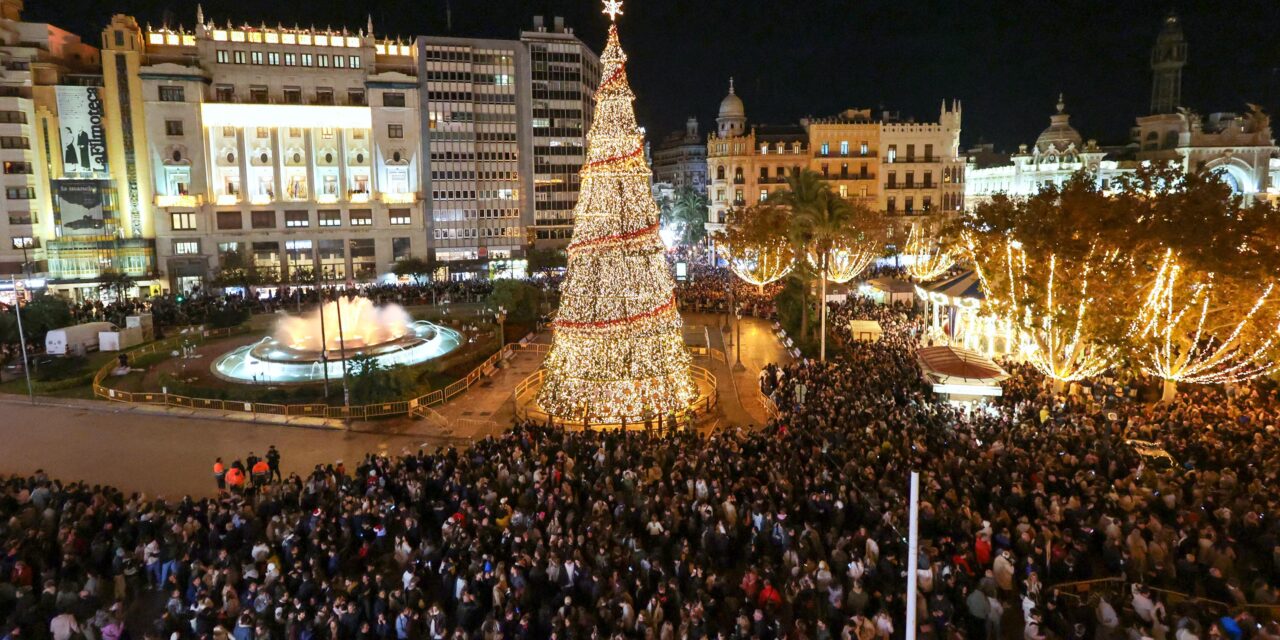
302	347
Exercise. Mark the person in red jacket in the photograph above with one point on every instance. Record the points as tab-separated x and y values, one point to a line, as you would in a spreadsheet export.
261	472
235	480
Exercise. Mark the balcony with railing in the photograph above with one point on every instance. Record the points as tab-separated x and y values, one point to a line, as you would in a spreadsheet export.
187	201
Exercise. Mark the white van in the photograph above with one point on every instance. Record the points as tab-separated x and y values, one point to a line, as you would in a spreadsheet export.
77	340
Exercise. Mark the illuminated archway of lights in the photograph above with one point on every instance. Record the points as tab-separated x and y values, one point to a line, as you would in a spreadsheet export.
931	260
760	264
618	351
1179	348
844	263
1051	337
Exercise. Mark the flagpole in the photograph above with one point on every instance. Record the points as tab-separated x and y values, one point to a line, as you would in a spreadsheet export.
913	555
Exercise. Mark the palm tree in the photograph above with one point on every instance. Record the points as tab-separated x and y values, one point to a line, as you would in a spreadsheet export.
115	281
822	223
803	192
687	210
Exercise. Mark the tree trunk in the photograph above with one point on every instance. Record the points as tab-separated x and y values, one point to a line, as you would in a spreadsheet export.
804	312
1059	386
1170	391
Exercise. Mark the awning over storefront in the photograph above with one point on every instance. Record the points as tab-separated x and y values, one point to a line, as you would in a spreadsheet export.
964	286
960	372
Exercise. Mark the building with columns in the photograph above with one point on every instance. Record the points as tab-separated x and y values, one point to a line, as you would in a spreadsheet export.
1236	146
887	162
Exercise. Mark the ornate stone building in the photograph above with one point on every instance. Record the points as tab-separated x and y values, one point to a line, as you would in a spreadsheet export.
889	163
1238	147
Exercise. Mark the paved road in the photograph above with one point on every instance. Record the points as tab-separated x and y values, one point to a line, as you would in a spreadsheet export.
142	452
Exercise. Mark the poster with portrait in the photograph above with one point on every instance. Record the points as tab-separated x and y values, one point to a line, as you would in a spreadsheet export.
81	118
80	207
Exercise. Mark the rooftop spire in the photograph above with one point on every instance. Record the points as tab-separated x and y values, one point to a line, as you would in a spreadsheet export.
199	13
731	85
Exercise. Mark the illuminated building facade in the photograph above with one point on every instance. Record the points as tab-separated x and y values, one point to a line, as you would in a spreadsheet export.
473	149
40	65
295	150
1238	147
563	74
890	164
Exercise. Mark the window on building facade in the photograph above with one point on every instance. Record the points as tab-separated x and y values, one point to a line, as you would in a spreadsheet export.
224	93
172	93
322	60
330	218
764	195
395	131
400	217
293	95
273	58
928	153
825	149
891	205
290	59
258	94
910	205
223	56
186	247
230	220
911	152
14	142
184	221
262	219
173	127
262	133
862	148
401	248
893	153
238	56
928	179
20	193
844	147
339	62
355	97
926	203
255	57
308	60
324	95
23	242
355	61
393	99
297	219
844	191
12	167
361	218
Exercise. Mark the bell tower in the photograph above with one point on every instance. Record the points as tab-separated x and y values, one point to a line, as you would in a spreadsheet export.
1168	57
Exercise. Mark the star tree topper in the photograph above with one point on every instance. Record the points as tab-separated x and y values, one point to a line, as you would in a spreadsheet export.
613	8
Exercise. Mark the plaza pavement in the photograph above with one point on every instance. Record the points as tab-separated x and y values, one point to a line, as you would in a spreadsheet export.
142	447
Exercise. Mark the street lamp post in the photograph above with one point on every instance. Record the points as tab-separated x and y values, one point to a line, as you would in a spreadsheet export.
737	366
342	347
324	342
22	337
501	316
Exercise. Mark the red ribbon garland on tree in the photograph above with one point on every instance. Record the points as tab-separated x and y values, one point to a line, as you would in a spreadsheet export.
604	324
621	237
625	156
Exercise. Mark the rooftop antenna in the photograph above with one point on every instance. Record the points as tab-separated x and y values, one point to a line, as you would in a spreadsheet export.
448	16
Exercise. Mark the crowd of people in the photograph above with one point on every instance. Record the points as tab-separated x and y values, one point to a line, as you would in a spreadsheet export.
795	529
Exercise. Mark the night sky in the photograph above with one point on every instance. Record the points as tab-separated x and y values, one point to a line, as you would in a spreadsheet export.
1006	59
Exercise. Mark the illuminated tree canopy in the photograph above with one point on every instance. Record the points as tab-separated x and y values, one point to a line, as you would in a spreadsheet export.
755	246
1169	274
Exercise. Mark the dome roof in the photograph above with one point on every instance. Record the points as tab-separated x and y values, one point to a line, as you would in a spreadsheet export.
1060	133
731	106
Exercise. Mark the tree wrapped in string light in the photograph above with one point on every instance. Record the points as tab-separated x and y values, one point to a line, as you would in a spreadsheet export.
1183	337
618	349
845	260
753	245
931	258
1058	330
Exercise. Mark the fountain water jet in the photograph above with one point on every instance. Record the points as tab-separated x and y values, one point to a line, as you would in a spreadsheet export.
294	353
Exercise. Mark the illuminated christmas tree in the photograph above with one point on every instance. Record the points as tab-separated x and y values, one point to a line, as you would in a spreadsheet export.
618	351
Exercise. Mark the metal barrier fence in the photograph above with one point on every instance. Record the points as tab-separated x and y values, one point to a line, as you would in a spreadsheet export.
316	410
1119	589
704	404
